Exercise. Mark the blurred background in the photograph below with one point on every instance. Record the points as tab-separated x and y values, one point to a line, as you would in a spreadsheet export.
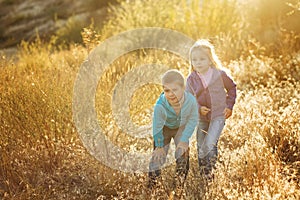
44	43
269	23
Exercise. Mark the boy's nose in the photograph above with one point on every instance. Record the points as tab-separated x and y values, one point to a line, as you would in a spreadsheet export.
171	95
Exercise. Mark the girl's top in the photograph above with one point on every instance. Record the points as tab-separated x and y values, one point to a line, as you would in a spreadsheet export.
164	115
220	93
205	78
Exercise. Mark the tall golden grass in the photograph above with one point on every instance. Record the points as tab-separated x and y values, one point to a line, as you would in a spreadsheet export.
42	156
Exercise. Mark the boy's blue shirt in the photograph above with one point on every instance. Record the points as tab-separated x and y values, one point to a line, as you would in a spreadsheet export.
164	115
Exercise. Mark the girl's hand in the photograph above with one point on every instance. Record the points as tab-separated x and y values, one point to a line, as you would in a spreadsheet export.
204	110
227	113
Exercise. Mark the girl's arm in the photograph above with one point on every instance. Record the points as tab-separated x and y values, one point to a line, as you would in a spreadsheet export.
230	87
189	87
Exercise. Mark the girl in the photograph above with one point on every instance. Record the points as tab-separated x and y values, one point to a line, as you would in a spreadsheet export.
215	92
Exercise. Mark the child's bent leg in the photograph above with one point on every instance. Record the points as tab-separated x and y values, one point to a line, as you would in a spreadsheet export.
155	168
209	149
156	165
201	134
182	159
182	166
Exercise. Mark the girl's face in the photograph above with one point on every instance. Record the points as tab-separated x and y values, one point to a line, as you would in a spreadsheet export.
173	92
200	61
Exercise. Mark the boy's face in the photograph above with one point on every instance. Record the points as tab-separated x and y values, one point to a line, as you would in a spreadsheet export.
173	92
200	61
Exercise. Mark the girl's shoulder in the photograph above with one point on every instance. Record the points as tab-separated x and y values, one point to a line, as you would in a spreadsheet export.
191	75
217	70
226	73
223	72
227	78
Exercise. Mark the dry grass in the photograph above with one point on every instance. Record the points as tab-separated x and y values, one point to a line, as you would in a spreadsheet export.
42	156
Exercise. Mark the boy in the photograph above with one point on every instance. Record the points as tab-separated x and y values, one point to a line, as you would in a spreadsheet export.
174	117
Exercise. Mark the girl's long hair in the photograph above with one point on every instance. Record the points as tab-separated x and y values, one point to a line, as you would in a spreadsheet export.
205	45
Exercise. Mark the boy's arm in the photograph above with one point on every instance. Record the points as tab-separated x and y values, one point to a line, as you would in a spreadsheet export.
230	87
191	122
158	123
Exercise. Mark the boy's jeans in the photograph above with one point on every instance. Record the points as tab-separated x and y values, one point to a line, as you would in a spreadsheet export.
182	158
208	134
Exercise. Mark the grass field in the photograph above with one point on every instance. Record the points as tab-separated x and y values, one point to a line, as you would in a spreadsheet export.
43	157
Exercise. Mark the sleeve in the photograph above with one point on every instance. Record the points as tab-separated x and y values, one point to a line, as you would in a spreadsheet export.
190	89
191	121
159	118
230	87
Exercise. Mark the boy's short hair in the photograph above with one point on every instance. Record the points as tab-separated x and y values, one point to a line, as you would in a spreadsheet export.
172	76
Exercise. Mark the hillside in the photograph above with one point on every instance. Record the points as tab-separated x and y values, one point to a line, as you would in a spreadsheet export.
22	20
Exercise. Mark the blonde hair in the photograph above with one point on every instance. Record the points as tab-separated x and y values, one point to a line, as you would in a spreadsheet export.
206	46
172	76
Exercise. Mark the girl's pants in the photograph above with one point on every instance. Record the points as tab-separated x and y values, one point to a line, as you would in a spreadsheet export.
208	134
182	158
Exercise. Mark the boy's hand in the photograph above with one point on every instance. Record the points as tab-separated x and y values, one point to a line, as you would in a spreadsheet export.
183	145
227	113
204	110
181	149
158	153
